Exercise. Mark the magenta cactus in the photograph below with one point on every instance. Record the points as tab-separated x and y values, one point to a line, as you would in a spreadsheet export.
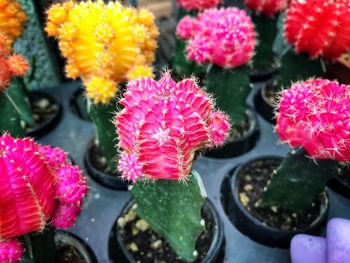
190	5
224	37
315	115
10	251
38	185
163	124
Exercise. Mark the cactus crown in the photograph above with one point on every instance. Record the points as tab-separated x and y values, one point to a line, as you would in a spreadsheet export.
319	27
267	7
190	5
10	64
103	43
315	115
12	19
224	37
163	124
38	185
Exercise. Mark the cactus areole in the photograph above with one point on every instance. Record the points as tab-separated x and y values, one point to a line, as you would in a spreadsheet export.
319	28
313	118
38	186
163	124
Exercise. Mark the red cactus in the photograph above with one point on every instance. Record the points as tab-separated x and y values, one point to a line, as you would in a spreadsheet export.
190	5
224	37
267	7
163	124
315	115
321	28
35	183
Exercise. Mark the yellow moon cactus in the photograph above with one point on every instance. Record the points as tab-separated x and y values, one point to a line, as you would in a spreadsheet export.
102	43
12	19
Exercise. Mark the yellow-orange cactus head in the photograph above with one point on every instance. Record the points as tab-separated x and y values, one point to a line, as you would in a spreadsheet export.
101	89
140	71
12	19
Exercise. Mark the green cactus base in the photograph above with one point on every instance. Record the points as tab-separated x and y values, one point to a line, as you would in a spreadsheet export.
231	88
264	58
40	247
102	116
298	181
295	67
173	209
10	120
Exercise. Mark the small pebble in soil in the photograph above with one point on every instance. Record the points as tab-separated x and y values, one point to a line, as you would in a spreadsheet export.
156	244
133	247
43	103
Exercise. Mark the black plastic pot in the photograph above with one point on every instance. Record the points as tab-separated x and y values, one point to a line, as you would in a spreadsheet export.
107	180
259	231
78	105
263	106
240	146
49	124
66	238
118	252
339	186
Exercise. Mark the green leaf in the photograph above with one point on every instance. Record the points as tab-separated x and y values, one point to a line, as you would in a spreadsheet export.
173	209
19	96
231	88
298	181
102	116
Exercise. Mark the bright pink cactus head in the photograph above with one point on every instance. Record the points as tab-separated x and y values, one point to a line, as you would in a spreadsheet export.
315	115
267	7
224	37
320	28
190	5
35	181
10	251
163	124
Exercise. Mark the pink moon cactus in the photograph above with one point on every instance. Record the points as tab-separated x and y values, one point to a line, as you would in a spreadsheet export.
163	124
224	37
38	185
315	115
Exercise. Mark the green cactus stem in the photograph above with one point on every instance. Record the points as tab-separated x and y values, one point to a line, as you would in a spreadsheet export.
33	45
10	120
231	89
298	181
173	209
18	93
40	247
264	58
102	116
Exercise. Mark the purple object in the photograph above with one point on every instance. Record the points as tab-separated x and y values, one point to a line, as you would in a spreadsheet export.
338	241
308	249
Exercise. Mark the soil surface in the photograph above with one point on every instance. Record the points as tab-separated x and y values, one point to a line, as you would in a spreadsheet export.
43	110
146	246
240	130
251	183
68	254
100	162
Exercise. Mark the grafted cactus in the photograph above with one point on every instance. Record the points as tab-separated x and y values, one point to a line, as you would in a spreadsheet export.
10	251
225	38
162	126
264	15
313	118
319	28
189	5
38	185
102	43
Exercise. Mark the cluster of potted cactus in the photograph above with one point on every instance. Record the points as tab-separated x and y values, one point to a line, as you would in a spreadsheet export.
187	141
